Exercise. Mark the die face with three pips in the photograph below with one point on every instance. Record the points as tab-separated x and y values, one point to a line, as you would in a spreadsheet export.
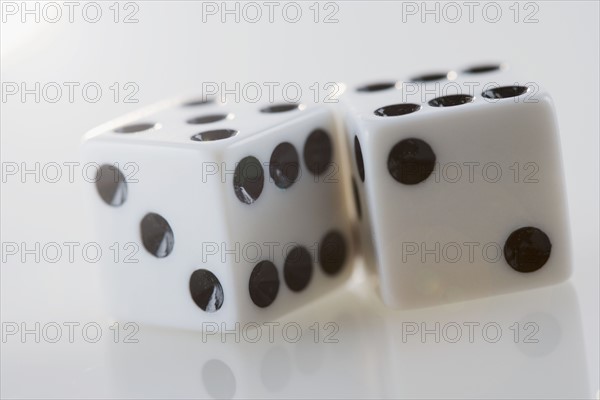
460	182
237	211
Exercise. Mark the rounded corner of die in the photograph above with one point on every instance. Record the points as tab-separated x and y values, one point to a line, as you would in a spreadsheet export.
567	266
542	95
87	138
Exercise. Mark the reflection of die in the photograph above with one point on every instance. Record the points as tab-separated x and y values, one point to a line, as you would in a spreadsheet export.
461	185
334	347
238	210
169	363
518	345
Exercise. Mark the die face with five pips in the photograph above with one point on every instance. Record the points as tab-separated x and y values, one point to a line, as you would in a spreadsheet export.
234	212
460	182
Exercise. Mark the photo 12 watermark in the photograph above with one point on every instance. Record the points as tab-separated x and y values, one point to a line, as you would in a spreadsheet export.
69	92
69	332
271	332
52	12
68	172
69	252
271	92
434	92
478	172
452	12
469	332
252	12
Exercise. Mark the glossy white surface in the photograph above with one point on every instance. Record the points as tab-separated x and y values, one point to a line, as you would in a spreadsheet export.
170	52
526	345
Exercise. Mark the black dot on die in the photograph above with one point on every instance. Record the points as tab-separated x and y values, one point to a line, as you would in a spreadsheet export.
318	151
411	161
284	165
248	180
527	249
206	290
480	69
216	134
263	284
430	77
376	87
332	253
297	269
133	128
279	108
395	110
111	185
504	92
451	100
157	235
207	119
198	102
356	199
359	159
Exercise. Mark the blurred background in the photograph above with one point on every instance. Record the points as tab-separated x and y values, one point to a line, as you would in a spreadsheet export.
109	58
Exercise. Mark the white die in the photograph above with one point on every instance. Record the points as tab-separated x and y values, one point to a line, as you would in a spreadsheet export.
218	243
441	224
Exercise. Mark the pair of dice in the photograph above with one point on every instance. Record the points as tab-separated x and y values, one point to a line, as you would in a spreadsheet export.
243	213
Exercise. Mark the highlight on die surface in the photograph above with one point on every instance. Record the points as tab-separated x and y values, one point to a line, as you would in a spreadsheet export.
459	179
238	211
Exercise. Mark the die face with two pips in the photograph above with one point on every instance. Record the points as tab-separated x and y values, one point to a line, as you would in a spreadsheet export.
461	183
237	210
